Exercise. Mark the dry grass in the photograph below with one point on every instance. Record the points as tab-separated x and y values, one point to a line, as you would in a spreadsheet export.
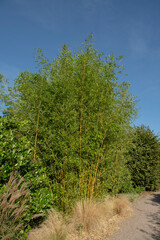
53	228
90	219
122	206
87	215
12	206
93	220
108	207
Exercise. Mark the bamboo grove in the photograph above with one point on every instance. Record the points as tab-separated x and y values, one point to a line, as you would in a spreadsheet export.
71	124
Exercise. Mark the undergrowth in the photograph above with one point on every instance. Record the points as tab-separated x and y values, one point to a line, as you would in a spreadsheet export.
89	218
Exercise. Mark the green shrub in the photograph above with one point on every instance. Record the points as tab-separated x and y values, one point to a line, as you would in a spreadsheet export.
15	149
144	159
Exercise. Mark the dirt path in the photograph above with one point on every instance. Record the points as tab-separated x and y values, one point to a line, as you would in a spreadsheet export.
145	222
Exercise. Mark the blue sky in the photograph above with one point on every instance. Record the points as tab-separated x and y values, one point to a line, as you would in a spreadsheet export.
127	27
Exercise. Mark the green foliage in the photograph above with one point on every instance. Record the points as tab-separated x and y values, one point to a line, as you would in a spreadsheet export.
144	159
16	154
75	116
15	149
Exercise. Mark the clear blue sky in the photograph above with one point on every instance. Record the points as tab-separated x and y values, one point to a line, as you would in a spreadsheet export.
127	27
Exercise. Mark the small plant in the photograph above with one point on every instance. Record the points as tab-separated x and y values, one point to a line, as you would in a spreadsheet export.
132	196
87	215
121	206
13	200
53	228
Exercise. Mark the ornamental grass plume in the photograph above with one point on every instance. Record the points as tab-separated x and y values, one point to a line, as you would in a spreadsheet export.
13	199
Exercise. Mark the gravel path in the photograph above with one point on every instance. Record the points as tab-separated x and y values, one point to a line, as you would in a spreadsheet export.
145	222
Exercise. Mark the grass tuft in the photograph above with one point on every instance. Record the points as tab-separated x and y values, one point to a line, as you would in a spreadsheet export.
53	228
122	206
87	215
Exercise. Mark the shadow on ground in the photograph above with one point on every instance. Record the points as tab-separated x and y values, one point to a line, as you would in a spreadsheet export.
154	218
156	198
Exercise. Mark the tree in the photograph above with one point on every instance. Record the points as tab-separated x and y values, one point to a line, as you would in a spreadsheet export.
77	115
144	159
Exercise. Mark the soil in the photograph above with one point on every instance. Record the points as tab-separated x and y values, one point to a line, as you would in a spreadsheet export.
145	222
